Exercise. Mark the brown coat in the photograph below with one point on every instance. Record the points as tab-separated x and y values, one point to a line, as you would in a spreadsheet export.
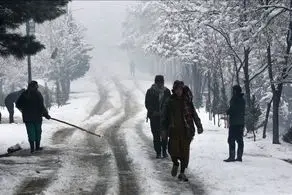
179	129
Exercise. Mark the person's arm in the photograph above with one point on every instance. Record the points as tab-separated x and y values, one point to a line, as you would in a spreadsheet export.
231	108
197	121
165	119
20	102
148	105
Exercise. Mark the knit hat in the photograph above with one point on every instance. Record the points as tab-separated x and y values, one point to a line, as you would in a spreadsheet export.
159	79
177	84
33	84
237	89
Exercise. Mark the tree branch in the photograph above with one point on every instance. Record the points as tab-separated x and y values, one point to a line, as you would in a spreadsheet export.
275	6
227	39
257	74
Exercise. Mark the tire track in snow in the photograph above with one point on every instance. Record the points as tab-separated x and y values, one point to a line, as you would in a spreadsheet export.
127	177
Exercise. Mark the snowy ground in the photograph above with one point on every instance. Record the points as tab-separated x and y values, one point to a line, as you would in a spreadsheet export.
123	160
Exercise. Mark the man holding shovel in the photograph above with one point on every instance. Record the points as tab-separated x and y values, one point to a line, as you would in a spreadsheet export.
31	104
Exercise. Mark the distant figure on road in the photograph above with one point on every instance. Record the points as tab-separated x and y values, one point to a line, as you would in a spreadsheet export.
132	68
156	96
236	114
178	118
31	104
9	103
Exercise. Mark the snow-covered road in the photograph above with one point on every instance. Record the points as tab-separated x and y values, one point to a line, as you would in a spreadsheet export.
122	161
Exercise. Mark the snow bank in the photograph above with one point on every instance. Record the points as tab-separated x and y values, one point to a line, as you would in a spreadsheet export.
261	172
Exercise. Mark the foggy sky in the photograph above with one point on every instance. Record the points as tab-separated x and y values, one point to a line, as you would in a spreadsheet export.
103	20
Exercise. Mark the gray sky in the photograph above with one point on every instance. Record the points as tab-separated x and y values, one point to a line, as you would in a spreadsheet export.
103	20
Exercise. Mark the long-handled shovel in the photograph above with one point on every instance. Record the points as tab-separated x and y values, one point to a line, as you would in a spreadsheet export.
76	127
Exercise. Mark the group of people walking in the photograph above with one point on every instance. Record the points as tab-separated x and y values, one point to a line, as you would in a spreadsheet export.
173	118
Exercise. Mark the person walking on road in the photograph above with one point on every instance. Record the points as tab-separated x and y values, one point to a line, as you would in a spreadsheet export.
178	119
155	98
236	114
31	104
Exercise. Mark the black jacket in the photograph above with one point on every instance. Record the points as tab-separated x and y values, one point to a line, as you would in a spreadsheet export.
152	103
236	110
12	97
31	104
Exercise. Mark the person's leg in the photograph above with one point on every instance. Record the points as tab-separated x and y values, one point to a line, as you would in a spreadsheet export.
231	142
38	128
175	166
31	135
240	143
164	140
10	108
11	114
184	159
154	123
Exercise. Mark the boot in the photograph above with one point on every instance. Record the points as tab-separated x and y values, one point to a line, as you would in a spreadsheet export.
158	156
183	177
165	154
174	170
37	144
31	147
229	160
231	154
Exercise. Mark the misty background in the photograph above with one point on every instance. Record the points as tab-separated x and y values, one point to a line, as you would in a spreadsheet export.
103	21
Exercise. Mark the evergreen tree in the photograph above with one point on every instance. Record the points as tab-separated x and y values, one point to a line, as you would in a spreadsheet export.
15	13
252	115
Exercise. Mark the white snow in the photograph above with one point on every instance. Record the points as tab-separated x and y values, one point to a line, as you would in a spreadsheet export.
262	171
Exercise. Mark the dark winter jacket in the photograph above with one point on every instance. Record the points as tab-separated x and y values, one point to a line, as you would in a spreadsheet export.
31	104
152	103
179	116
12	97
236	110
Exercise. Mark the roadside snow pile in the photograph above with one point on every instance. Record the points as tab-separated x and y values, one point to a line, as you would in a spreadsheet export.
262	171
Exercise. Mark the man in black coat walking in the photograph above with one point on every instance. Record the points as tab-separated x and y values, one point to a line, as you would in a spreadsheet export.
9	103
156	96
236	114
31	104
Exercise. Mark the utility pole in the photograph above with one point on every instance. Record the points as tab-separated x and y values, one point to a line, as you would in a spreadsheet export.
30	30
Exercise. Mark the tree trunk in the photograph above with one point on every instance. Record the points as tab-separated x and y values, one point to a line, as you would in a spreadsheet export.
1	93
236	71
276	104
246	77
58	93
267	119
209	96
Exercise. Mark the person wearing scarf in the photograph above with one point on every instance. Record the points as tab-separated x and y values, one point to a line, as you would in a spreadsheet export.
155	98
179	116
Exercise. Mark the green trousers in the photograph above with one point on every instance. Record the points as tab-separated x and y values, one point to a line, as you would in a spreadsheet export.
34	131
